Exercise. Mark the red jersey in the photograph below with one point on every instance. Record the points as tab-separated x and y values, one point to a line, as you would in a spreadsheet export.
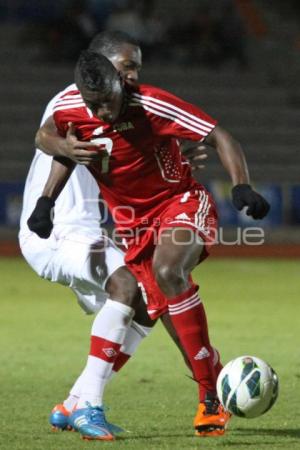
142	166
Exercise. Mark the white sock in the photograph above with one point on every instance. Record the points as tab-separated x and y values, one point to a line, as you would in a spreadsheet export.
134	336
71	402
108	333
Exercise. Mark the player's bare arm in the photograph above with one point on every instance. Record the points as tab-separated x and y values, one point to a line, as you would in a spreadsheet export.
230	154
49	141
233	160
61	170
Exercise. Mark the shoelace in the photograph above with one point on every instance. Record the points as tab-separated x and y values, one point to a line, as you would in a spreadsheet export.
212	406
96	415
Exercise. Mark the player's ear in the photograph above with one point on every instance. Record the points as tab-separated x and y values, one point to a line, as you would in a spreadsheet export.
122	80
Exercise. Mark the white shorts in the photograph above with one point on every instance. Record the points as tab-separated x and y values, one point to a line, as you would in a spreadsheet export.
80	262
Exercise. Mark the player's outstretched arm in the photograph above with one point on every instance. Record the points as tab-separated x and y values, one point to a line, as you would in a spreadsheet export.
233	159
50	142
41	219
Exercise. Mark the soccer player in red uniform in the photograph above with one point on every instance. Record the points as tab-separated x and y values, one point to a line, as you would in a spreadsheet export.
166	218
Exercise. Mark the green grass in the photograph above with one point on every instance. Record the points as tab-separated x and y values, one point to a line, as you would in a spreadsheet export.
253	307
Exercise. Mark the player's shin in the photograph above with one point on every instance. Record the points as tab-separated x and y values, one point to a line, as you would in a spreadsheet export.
189	319
134	336
108	334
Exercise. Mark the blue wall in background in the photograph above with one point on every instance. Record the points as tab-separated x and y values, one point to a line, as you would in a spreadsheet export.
11	205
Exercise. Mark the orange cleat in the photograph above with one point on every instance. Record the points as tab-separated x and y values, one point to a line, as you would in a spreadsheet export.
211	418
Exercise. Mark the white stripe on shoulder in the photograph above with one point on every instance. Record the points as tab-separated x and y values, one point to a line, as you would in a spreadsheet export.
174	114
71	96
62	108
175	108
68	102
174	119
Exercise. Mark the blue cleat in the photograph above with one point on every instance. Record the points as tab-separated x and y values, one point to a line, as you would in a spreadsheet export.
91	423
59	418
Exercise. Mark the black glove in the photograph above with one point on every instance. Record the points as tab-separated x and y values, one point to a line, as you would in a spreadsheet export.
40	221
243	195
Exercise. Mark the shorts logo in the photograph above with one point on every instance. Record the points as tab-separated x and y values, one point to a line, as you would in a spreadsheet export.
110	352
203	353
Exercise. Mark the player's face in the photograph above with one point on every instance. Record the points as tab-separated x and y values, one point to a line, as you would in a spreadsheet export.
106	107
128	61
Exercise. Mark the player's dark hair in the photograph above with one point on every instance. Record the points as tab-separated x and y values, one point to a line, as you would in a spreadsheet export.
95	72
110	42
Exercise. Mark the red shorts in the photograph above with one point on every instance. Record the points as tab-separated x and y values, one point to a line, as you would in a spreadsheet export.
194	210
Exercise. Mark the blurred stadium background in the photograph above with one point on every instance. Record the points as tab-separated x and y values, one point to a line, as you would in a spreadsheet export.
237	59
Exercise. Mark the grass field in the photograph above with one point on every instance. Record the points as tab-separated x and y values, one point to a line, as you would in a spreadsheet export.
253	307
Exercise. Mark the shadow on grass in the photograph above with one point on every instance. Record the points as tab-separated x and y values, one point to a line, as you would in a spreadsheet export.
228	439
157	436
286	432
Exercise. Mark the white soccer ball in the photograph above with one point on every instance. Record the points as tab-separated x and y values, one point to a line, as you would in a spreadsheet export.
247	386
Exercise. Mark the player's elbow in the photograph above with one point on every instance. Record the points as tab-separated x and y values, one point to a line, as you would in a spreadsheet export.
41	143
220	138
37	139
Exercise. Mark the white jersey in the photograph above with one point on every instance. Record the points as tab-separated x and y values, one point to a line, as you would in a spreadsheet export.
76	208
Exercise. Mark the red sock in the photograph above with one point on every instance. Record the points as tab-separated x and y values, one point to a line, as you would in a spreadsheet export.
189	318
216	361
120	361
215	357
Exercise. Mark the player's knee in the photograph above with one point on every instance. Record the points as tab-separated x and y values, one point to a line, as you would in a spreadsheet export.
123	287
168	275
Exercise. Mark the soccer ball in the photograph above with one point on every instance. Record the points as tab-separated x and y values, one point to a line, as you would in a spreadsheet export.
247	386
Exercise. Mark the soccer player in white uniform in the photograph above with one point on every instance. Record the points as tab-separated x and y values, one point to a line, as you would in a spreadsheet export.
78	254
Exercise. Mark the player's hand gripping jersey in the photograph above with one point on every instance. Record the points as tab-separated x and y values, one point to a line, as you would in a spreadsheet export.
142	166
